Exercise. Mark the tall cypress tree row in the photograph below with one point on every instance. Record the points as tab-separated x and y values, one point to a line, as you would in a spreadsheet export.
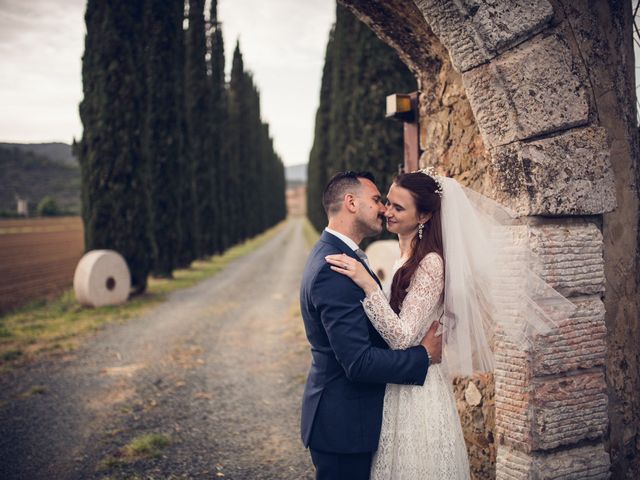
344	75
219	127
374	142
266	186
164	144
274	184
254	161
163	29
255	185
198	114
115	203
317	169
351	130
281	186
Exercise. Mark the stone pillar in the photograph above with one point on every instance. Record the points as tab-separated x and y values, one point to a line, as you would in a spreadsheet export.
551	401
530	95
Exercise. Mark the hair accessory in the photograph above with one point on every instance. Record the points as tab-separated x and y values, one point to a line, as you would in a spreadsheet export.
420	227
431	172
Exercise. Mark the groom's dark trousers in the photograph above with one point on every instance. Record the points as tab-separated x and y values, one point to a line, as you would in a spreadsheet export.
350	365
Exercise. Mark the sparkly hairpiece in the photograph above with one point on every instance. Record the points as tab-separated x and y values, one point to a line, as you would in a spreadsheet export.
431	172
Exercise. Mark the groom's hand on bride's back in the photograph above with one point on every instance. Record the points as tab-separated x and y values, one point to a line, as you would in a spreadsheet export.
433	343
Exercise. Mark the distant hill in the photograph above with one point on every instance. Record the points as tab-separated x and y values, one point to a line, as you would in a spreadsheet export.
296	174
34	176
56	151
35	170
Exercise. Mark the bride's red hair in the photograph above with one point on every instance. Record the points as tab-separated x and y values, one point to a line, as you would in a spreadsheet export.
423	191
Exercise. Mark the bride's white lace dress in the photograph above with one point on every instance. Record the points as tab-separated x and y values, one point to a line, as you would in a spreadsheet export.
421	435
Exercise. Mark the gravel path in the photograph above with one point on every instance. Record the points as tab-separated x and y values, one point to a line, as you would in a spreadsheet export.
218	369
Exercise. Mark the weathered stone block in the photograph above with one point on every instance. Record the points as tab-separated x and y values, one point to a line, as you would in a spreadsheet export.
512	399
590	462
548	412
569	174
536	88
568	256
475	31
578	342
568	409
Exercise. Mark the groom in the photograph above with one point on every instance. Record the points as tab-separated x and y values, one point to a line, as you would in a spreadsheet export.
351	363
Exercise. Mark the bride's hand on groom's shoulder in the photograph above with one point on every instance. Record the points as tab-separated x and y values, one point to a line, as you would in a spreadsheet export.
353	269
433	343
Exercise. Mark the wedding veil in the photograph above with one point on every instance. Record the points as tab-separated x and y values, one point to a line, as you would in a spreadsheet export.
490	290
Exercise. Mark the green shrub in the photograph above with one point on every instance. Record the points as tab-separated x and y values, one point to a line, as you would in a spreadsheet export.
48	207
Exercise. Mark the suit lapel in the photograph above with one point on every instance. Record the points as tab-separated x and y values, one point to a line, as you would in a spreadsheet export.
343	247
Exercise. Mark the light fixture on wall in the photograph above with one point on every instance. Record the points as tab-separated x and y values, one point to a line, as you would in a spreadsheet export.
404	107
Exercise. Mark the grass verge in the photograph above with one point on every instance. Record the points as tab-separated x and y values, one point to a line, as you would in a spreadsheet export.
310	234
57	325
148	445
35	390
143	447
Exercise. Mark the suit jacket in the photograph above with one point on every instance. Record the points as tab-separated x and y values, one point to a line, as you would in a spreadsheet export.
351	363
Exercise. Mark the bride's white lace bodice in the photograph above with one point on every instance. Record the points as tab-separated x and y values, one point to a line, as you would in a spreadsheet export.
423	302
421	436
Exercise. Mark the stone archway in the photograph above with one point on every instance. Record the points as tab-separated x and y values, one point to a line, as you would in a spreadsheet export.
525	101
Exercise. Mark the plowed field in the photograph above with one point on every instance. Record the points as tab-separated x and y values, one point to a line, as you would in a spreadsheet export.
37	258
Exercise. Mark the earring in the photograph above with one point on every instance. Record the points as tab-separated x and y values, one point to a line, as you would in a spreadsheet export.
420	227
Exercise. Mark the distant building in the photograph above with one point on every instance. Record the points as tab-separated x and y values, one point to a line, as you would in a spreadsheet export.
297	200
296	175
22	205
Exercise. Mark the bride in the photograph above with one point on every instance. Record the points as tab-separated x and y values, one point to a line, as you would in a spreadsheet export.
421	435
448	272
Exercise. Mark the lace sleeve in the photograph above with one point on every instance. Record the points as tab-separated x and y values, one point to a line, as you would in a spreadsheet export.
423	296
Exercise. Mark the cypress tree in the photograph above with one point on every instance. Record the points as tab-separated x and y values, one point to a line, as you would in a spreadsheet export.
187	218
351	131
281	186
255	185
317	168
218	127
344	76
163	28
89	108
238	147
115	202
374	142
254	161
266	186
198	116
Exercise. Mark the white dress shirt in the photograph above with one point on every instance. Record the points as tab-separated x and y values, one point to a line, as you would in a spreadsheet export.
352	245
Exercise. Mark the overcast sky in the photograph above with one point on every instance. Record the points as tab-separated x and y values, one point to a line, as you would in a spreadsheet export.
41	44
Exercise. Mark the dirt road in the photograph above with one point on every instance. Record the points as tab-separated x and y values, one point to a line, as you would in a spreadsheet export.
217	370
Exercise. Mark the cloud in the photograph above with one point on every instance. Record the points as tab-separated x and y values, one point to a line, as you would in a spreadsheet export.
283	43
42	41
41	45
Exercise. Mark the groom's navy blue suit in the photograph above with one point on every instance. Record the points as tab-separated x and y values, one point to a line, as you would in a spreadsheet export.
351	363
